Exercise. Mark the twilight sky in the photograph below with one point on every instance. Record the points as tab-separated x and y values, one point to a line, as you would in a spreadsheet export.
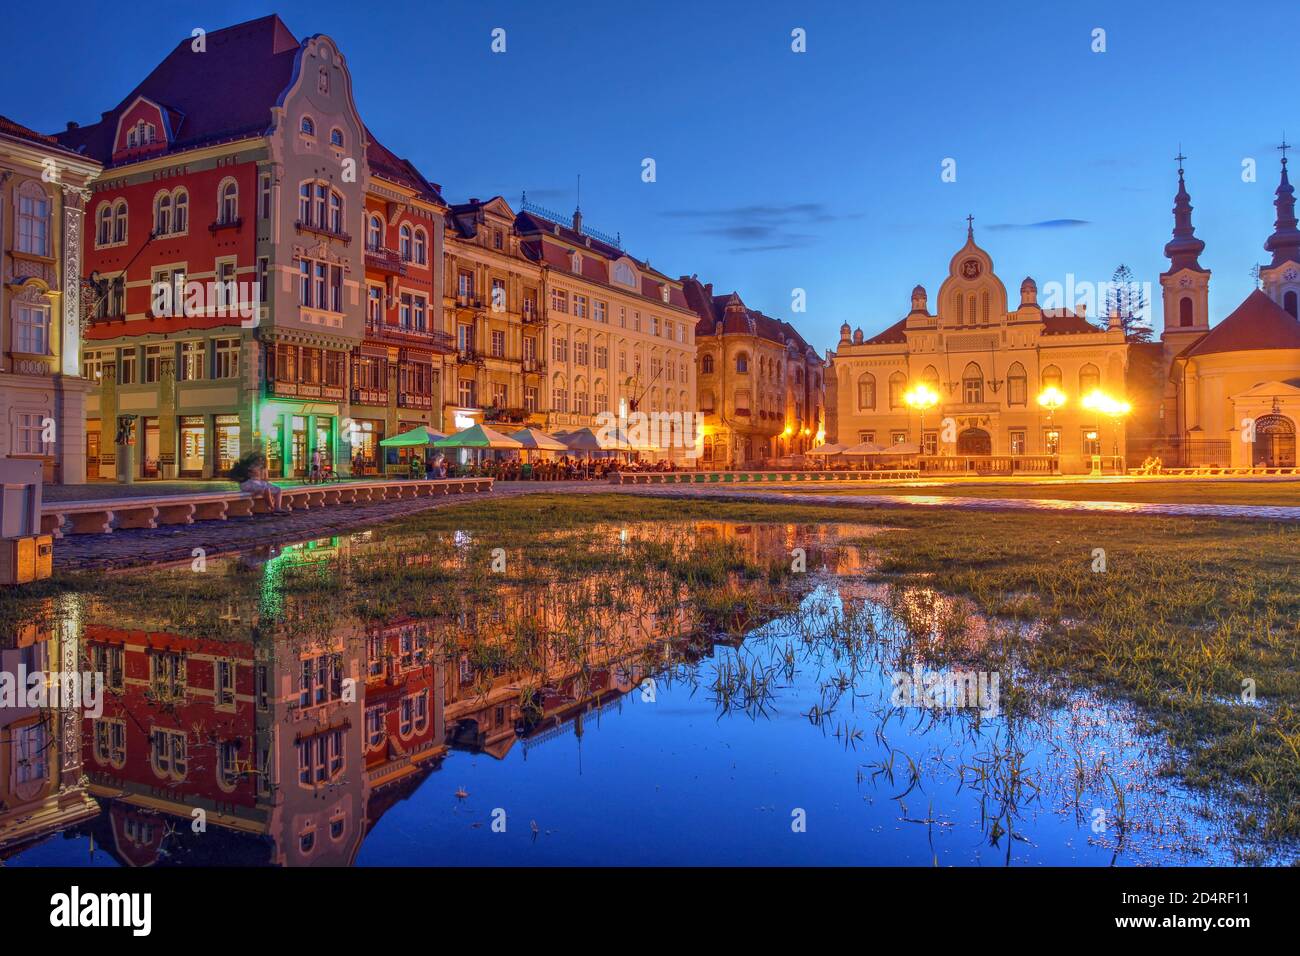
779	170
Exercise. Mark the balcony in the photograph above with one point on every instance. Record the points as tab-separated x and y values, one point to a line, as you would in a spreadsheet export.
470	357
409	400
324	231
221	224
285	389
386	261
533	316
369	396
468	300
426	338
534	366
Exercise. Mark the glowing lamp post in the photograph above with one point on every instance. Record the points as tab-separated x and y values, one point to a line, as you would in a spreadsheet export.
921	397
1052	398
1113	408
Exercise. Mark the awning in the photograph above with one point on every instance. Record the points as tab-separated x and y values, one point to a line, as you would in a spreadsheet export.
417	437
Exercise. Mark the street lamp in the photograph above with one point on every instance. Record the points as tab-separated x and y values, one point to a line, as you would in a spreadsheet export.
1052	398
921	397
1113	408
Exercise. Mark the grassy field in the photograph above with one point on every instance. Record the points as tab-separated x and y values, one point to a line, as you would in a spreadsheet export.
1150	492
1185	615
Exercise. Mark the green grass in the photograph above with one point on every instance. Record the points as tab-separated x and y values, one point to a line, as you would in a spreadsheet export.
1149	492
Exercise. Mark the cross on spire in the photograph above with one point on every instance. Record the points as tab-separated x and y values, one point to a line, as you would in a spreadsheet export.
1284	147
1179	159
970	226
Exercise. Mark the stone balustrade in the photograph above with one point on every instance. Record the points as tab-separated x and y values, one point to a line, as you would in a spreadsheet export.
108	515
758	477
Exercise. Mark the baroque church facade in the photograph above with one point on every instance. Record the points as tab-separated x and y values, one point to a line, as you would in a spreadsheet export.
1225	396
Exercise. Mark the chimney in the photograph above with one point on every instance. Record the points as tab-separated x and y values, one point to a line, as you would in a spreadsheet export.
72	124
577	220
1081	309
1114	324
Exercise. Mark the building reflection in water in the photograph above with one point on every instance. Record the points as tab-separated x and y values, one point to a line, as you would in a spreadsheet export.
284	747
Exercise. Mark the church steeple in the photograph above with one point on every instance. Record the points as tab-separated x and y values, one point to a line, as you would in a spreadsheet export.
1285	241
1184	248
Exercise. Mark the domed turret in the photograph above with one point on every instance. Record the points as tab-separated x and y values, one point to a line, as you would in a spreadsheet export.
1028	292
919	299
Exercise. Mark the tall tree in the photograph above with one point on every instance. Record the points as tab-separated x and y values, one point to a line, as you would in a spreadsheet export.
1127	298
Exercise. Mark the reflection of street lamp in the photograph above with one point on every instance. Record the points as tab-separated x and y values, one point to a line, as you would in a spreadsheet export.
1052	398
1113	408
921	397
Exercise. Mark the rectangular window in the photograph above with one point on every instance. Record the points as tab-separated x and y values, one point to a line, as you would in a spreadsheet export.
580	353
560	350
404	311
29	429
264	196
580	306
1019	445
465	392
224	683
465	285
559	300
192	361
152	363
32	330
263	289
499	303
600	310
419	313
498	344
374	305
126	367
530	398
227	353
602	357
500	395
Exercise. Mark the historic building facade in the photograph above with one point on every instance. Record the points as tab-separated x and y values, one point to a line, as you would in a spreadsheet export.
987	363
43	189
1229	395
302	258
493	307
619	335
760	385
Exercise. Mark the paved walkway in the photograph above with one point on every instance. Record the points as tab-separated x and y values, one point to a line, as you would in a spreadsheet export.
126	548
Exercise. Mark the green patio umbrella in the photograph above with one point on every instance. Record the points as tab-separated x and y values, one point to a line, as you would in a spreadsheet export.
478	436
419	436
534	439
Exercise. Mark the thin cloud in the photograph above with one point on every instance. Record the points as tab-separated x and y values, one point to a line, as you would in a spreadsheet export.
762	227
1043	224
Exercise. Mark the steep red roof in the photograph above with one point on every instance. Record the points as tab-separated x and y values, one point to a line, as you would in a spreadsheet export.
891	336
739	319
220	94
1066	323
1258	323
18	131
386	164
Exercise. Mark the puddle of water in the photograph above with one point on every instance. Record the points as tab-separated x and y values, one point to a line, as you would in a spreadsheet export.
624	694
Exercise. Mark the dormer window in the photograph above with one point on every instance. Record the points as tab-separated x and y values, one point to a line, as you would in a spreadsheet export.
141	134
664	293
624	275
576	262
307	127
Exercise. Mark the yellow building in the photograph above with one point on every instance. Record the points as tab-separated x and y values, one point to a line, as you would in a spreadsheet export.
43	190
1231	393
492	301
620	336
986	365
761	387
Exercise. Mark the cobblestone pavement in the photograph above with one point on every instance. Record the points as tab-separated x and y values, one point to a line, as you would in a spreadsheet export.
176	543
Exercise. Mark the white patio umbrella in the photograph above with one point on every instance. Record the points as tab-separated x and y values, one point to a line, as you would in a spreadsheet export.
863	448
534	439
836	449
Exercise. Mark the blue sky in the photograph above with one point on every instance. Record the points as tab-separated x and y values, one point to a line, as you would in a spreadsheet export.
778	170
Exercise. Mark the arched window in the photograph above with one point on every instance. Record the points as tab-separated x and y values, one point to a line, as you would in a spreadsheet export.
1017	385
336	137
421	247
1051	377
1185	311
1289	303
930	378
34	209
742	363
375	234
866	391
162	214
897	386
119	221
972	384
404	242
706	364
1089	379
104	225
228	201
307	126
180	210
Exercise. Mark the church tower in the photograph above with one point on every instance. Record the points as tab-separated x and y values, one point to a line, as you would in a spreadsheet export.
1186	284
1281	277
